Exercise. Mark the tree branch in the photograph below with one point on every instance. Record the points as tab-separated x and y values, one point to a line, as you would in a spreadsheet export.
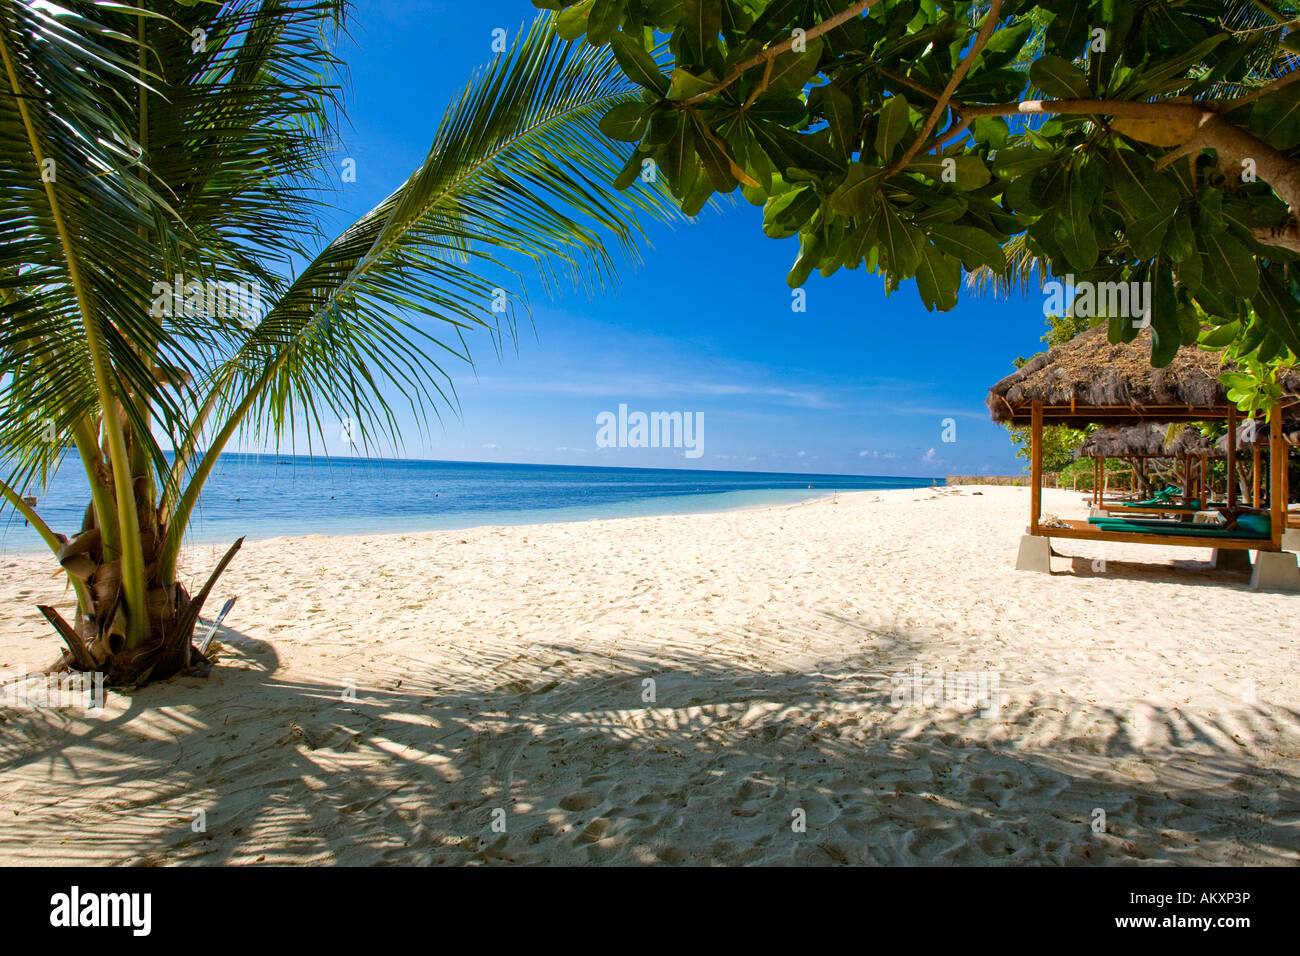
986	30
1129	109
771	53
912	84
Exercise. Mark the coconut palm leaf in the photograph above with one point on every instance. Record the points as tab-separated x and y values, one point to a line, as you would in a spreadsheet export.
518	167
191	139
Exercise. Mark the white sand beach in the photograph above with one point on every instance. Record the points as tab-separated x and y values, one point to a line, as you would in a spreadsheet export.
500	677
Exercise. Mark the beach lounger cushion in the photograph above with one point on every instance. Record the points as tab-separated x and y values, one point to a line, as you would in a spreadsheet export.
1182	529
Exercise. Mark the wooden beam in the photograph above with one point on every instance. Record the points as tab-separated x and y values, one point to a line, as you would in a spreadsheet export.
1036	468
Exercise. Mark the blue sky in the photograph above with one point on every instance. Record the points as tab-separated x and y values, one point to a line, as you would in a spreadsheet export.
860	383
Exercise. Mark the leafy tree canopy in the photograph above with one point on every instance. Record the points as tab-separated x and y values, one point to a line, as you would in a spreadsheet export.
1151	141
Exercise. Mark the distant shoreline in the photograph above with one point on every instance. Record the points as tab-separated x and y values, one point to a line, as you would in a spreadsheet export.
260	496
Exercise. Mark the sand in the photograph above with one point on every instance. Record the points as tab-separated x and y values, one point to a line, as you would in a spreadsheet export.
707	689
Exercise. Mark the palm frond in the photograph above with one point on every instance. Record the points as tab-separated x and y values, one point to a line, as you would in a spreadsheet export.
518	172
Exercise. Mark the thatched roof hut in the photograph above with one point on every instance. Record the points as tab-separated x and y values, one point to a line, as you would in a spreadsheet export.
1252	432
1090	380
1146	440
1189	441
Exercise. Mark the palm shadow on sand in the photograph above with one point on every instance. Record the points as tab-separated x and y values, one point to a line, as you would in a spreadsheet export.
560	747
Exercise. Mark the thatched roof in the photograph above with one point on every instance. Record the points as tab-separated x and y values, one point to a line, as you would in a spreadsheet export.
1251	432
1145	440
1190	441
1131	441
1090	380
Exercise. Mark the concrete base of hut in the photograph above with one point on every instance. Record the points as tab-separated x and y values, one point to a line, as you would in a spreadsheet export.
1230	560
1035	554
1291	539
1275	571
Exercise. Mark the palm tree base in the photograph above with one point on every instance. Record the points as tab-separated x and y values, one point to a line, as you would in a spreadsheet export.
98	642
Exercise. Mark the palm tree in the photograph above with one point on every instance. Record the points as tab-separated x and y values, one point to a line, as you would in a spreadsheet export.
161	162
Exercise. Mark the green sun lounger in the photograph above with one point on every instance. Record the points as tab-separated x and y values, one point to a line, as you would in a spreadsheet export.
1248	526
1165	497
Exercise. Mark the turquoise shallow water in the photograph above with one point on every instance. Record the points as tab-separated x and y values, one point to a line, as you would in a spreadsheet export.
262	496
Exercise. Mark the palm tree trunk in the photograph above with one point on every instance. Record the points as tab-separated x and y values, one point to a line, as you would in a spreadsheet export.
169	612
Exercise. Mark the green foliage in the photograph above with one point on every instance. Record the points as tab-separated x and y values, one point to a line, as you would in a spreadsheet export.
840	135
1059	444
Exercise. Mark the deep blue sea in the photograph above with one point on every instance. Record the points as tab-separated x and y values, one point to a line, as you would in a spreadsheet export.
264	496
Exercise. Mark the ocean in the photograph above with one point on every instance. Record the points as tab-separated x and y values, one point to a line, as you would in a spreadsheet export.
265	496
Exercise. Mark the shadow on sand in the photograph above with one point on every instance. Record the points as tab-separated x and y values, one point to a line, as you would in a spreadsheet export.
561	746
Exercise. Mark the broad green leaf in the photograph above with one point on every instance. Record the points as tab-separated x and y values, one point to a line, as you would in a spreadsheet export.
857	194
1166	330
1059	79
625	122
699	27
1278	309
685	84
717	163
963	172
1222	336
639	66
792	69
899	242
1276	118
605	17
810	253
938	277
992	130
785	214
1018	161
974	247
571	23
1232	263
891	125
1145	235
1180	242
840	116
677	157
1073	229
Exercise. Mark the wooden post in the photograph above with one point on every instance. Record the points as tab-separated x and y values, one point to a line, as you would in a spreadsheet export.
1277	463
1256	474
1286	479
1232	458
1205	488
1036	468
1187	481
1096	482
